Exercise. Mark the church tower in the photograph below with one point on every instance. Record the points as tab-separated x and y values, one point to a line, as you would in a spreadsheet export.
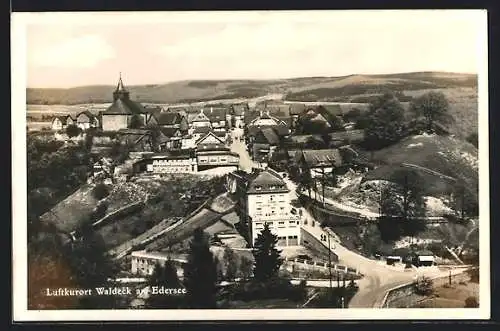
120	92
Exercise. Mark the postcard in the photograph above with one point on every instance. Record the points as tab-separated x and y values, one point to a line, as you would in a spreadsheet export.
260	165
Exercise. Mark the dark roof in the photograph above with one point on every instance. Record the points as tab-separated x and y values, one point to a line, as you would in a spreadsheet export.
320	157
124	107
270	136
169	132
168	118
266	181
250	116
215	114
87	113
217	152
134	131
201	129
62	118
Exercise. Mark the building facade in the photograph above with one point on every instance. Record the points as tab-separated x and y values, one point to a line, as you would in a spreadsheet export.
143	263
268	201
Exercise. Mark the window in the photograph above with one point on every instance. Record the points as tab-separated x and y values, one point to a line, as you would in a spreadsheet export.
258	223
291	222
258	208
258	188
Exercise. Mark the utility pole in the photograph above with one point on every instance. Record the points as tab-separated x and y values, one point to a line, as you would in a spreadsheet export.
330	265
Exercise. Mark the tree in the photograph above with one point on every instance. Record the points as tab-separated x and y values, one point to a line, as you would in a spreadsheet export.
72	130
100	191
246	266
464	203
136	122
92	268
423	286
432	106
471	302
267	257
385	123
200	273
230	264
166	276
401	205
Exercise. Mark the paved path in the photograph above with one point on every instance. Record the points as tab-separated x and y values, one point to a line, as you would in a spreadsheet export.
237	146
378	278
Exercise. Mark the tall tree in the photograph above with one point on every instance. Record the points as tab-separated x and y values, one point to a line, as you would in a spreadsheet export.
230	264
93	268
72	130
385	124
432	106
402	206
166	276
267	257
200	273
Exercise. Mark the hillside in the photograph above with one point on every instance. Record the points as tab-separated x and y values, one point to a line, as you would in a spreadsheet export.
300	89
439	159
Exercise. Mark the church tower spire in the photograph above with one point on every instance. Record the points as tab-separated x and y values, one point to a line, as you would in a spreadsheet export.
120	92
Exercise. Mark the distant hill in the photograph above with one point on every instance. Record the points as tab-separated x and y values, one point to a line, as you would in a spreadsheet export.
342	89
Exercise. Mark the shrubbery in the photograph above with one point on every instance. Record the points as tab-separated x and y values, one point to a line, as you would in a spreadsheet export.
471	302
100	191
423	286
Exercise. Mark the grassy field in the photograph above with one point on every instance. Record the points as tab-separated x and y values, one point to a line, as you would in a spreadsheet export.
446	155
451	296
315	88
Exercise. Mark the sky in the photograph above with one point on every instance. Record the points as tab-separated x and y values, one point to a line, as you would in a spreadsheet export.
76	49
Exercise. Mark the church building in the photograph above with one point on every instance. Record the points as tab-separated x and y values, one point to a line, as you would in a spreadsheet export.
123	112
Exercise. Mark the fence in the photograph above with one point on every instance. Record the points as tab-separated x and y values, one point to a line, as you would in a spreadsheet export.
323	265
404	295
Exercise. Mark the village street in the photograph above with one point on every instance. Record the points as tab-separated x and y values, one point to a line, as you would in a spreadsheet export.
378	277
238	146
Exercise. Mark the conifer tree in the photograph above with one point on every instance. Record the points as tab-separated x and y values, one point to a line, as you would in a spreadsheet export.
166	276
200	273
267	257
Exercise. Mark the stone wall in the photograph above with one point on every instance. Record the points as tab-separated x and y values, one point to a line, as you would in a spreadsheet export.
312	243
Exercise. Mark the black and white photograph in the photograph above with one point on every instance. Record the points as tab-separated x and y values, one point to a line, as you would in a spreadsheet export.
250	165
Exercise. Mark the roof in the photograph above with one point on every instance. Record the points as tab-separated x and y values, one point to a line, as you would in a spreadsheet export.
134	131
239	109
424	253
349	134
201	129
297	108
62	118
168	118
170	155
87	113
224	151
212	147
169	132
124	107
215	114
320	157
266	181
270	136
278	110
198	117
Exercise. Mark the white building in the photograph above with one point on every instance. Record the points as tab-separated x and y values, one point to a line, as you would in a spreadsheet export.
268	201
144	263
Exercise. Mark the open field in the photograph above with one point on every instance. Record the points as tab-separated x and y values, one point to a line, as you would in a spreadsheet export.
297	88
436	158
451	296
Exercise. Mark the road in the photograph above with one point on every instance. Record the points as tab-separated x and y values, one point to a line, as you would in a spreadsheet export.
378	277
238	146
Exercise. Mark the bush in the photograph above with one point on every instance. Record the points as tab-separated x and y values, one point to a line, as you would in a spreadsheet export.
471	302
473	139
424	286
474	275
100	191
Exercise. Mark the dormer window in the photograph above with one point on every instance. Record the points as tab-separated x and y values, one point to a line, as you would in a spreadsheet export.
258	188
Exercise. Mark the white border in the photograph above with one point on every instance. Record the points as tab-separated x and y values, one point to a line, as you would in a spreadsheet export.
20	312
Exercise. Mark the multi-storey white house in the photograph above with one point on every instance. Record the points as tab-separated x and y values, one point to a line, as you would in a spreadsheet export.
267	200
